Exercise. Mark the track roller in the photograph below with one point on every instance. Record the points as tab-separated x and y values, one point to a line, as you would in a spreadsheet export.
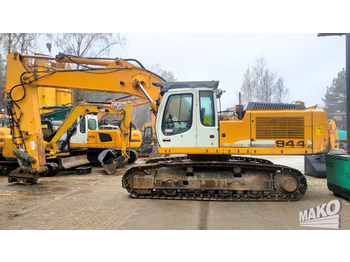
286	182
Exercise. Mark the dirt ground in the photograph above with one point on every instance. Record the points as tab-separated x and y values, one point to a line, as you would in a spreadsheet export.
70	201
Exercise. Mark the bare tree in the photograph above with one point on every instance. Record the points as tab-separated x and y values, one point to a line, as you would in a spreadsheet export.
268	85
261	85
281	93
9	42
247	86
2	80
87	44
258	73
22	42
166	74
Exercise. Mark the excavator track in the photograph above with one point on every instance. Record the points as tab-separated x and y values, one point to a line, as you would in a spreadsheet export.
238	179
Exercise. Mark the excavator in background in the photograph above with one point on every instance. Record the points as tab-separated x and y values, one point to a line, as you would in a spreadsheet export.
105	141
85	138
148	146
80	140
147	139
4	120
81	122
95	122
187	123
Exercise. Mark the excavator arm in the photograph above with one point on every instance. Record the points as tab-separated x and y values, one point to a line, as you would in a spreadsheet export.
133	102
115	76
124	109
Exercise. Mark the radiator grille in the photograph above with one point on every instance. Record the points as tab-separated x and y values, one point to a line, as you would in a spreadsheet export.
273	106
280	127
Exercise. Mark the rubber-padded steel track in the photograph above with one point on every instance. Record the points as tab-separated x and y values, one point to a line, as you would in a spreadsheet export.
256	165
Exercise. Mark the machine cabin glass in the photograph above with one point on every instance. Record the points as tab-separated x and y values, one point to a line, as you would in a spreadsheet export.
177	116
147	133
83	125
92	124
207	131
206	105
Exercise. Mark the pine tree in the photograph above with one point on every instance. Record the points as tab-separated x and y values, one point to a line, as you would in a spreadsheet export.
335	97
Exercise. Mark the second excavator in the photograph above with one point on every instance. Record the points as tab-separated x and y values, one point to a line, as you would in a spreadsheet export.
212	164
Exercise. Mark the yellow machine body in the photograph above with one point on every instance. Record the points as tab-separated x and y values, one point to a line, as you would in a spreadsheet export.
108	139
264	129
277	134
333	135
6	144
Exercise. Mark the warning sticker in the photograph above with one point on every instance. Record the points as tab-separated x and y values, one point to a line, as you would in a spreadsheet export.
319	129
32	145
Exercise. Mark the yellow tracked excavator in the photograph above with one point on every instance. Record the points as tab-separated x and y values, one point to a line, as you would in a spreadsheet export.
118	141
214	165
79	139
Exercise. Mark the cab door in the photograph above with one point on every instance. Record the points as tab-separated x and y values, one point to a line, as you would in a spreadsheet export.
207	128
87	122
176	126
79	136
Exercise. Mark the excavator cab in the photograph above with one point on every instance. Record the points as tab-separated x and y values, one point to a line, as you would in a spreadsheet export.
188	115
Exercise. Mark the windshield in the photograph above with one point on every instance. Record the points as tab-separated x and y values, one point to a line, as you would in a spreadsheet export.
177	117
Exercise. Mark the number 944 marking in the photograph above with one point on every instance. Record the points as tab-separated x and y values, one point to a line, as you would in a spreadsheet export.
290	143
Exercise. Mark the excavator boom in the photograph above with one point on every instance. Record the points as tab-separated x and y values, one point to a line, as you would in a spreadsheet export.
115	76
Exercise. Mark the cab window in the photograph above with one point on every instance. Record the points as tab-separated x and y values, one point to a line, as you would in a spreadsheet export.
206	105
177	116
92	125
82	125
148	132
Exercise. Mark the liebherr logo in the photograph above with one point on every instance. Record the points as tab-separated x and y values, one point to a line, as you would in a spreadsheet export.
325	215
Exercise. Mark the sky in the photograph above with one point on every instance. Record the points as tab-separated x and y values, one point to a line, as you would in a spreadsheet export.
205	40
306	62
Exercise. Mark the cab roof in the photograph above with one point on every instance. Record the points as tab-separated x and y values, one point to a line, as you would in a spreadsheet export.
188	84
